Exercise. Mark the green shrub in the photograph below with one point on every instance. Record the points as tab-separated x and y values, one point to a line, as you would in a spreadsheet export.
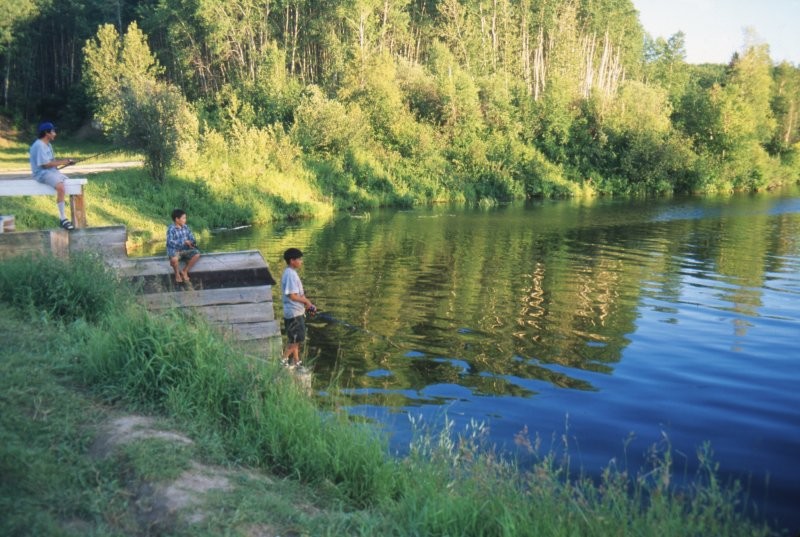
327	126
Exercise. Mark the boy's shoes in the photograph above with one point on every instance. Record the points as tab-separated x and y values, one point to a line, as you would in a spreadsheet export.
291	367
66	224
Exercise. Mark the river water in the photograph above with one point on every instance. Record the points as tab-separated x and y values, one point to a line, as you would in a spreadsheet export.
619	325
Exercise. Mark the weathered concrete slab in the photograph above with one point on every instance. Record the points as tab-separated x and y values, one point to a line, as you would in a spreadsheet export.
109	241
51	241
247	312
213	271
256	331
238	313
210	297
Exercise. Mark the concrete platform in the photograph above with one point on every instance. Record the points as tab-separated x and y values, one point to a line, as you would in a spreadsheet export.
232	290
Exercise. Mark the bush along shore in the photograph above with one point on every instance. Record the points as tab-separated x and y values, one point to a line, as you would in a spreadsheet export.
80	353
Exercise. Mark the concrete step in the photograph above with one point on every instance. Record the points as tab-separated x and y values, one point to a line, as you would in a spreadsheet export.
212	271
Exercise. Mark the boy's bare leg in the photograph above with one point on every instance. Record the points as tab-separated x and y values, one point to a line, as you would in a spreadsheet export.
189	265
175	264
292	353
60	192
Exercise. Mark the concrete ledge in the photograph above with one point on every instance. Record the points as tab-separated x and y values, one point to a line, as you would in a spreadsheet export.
51	241
212	271
108	241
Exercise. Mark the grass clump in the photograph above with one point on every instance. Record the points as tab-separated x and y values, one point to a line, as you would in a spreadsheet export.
83	288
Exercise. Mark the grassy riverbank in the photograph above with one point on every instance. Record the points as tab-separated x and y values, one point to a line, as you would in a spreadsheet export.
290	468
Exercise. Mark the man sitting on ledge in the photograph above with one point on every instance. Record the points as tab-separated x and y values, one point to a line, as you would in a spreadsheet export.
45	168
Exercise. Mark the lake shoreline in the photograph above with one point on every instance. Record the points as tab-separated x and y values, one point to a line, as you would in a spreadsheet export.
104	354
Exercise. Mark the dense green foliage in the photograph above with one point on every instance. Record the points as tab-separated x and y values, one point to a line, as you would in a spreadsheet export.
396	102
135	109
245	411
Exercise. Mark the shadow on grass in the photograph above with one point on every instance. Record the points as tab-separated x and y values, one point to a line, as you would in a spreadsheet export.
27	213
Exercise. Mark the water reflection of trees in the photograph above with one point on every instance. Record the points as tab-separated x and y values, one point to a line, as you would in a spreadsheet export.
519	297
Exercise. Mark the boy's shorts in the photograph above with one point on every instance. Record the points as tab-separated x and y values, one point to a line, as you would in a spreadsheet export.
295	329
185	255
51	177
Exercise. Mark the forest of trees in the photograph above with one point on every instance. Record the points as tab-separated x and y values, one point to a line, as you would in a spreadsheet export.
407	101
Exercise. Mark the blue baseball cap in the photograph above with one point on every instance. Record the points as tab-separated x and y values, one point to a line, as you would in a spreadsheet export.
46	126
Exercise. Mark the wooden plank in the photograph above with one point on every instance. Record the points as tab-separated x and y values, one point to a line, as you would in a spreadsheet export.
261	294
238	313
212	271
30	187
253	331
59	243
214	262
7	223
77	210
209	262
73	187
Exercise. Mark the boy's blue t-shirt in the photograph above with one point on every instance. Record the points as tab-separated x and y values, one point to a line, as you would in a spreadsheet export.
290	283
41	153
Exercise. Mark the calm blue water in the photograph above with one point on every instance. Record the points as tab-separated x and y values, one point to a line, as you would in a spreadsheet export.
621	325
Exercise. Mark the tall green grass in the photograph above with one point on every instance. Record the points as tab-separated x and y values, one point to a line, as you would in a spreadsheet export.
451	483
176	364
59	289
456	484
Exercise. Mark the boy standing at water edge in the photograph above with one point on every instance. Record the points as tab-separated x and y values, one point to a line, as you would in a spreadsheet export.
45	167
295	305
181	246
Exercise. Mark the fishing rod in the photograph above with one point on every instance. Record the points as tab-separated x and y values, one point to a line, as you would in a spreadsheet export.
73	162
316	314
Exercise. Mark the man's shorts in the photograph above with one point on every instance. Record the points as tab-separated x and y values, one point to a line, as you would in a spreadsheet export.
295	329
51	177
186	255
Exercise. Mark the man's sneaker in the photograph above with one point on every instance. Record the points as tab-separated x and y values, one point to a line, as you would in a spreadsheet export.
66	224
